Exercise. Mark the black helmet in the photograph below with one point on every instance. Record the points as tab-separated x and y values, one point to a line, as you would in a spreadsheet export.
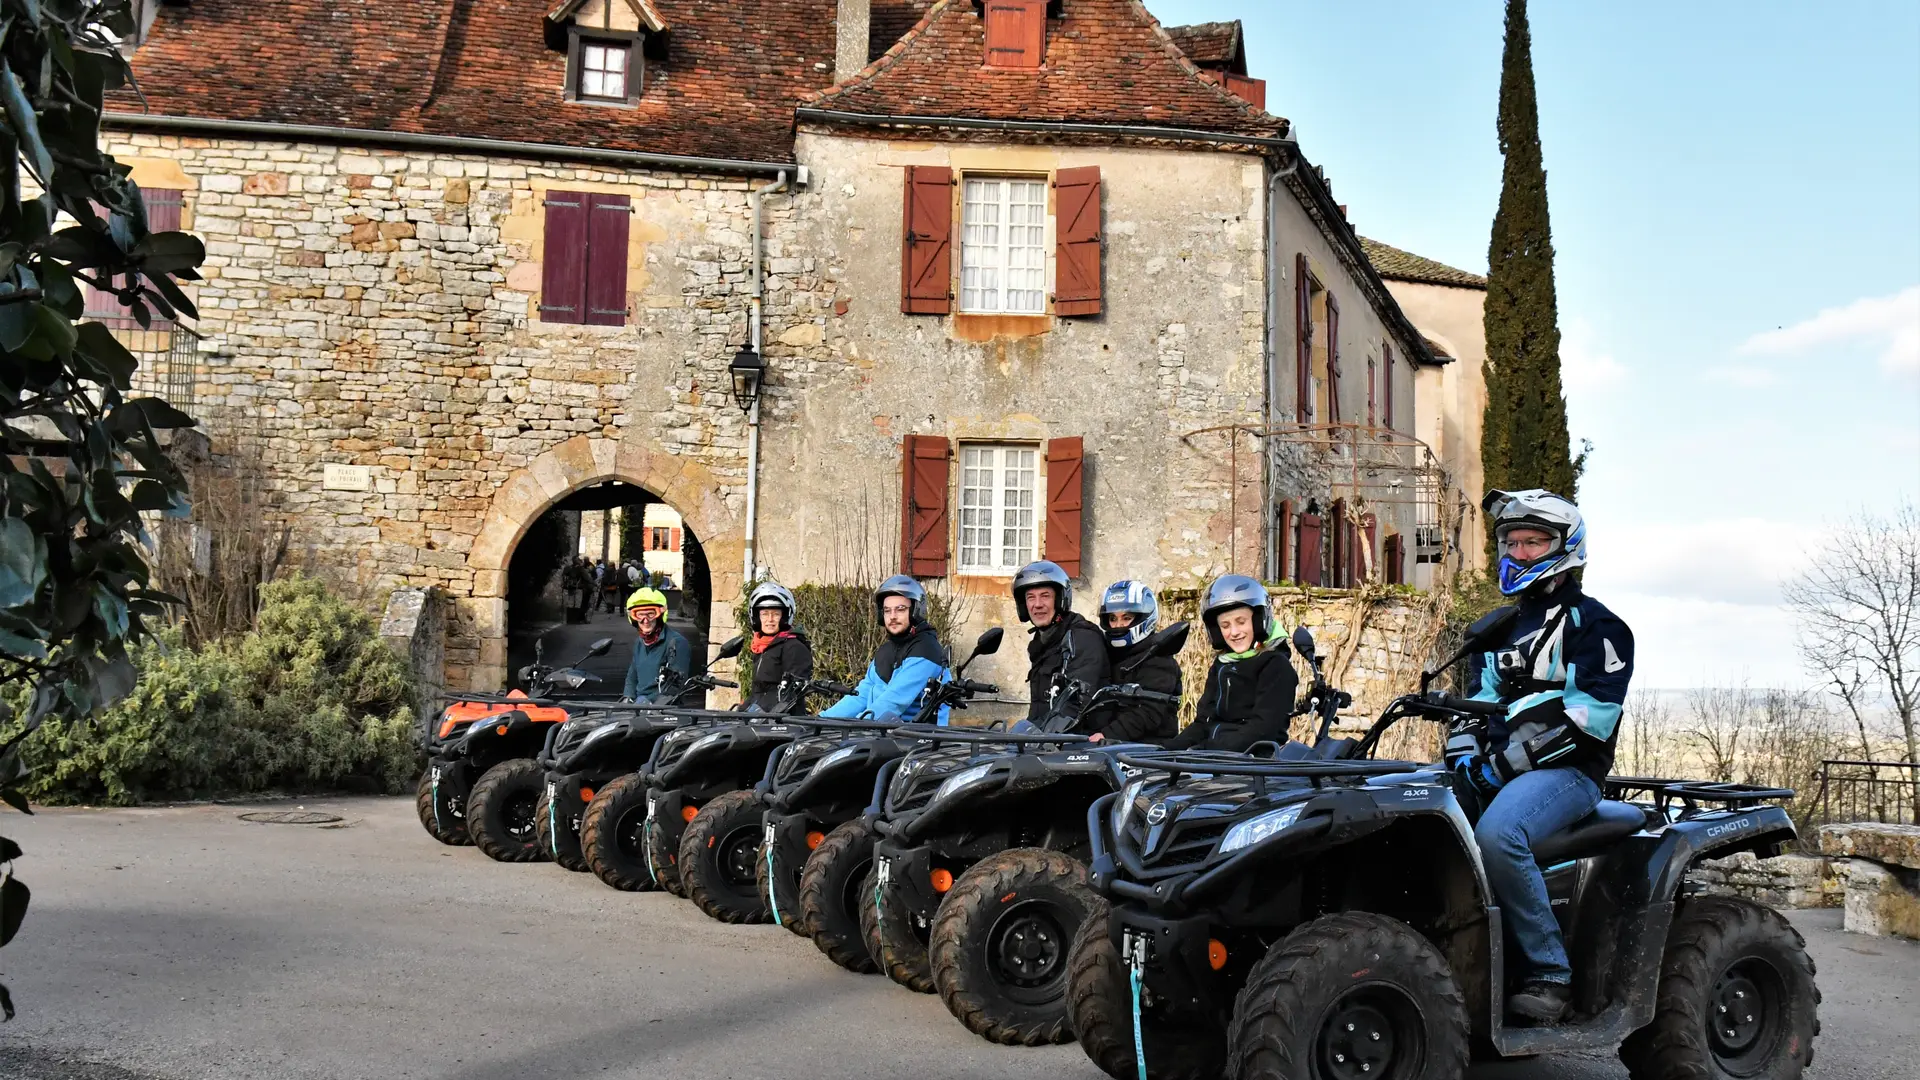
901	585
1231	591
1136	599
1035	574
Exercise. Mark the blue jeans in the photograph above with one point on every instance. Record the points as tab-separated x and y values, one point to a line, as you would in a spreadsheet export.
1533	806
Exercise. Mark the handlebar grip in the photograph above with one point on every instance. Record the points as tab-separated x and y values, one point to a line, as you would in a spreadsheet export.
1155	695
833	688
973	687
1470	705
726	682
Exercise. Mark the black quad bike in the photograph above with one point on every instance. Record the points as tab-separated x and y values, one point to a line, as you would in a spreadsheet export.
1298	916
482	780
821	794
597	748
981	879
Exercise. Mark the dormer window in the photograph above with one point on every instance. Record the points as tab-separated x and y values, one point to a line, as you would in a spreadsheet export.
607	44
1016	33
603	70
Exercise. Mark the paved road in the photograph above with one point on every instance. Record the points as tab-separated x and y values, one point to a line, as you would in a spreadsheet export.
186	944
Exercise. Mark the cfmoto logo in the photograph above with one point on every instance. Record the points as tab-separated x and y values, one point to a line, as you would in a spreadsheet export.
1156	813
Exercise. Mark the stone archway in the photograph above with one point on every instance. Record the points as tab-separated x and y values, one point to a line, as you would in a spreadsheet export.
479	642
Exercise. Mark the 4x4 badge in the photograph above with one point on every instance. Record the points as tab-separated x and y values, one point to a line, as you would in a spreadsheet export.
1156	813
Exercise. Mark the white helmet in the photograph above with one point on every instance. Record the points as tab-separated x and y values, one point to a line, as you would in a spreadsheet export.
772	594
1543	510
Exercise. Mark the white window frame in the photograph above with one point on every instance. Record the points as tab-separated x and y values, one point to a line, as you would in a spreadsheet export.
588	72
1005	263
1002	515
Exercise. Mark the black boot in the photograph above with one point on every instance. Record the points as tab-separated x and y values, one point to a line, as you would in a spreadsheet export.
1541	1002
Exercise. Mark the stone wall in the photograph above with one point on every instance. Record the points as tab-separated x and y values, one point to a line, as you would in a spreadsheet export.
379	309
1785	881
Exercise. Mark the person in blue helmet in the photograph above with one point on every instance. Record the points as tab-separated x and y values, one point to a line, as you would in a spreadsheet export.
1562	672
1129	615
896	680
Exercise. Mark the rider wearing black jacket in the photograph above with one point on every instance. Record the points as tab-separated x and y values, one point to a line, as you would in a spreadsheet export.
780	651
1064	643
1249	693
1129	614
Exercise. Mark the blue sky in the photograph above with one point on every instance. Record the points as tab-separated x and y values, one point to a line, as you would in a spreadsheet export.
1735	192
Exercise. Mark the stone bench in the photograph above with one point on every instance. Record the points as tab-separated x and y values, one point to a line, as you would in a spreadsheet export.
1882	868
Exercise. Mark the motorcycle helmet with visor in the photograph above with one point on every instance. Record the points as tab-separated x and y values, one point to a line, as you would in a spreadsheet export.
903	586
1035	575
1133	598
1540	511
1231	591
772	594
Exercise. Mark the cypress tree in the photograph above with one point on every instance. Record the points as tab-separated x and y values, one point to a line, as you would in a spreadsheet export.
1524	441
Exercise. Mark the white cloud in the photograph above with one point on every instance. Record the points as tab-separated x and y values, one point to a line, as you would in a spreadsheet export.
1743	376
1890	323
1738	561
1584	367
1680	642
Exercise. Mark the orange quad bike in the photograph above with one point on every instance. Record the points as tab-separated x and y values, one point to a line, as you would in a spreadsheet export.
483	781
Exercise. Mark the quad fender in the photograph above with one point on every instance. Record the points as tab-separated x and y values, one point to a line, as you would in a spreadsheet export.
1661	860
507	735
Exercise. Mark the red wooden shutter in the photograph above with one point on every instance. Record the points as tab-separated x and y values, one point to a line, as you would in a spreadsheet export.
926	259
1367	543
673	539
923	505
1393	554
1373	381
1251	91
163	215
1065	502
1333	360
1389	351
1303	341
607	259
1308	557
1016	33
563	265
1282	532
1077	241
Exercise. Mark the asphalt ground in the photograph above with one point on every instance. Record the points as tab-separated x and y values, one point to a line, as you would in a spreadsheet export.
184	943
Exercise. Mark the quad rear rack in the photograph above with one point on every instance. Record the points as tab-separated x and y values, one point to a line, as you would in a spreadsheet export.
1182	763
1693	796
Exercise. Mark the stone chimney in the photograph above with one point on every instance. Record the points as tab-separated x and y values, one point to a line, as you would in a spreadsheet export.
851	26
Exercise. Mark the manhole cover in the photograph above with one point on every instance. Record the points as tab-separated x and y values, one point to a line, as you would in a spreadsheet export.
289	817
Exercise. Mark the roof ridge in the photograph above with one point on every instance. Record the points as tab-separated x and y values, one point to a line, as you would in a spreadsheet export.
1193	70
885	60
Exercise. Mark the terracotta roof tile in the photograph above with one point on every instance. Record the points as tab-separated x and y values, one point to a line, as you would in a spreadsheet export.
1107	62
462	67
1397	265
1212	44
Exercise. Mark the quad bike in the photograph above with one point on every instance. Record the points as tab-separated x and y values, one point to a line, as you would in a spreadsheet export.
1301	915
482	782
598	748
821	794
981	878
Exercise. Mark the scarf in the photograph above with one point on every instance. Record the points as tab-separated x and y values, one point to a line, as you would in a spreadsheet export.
763	642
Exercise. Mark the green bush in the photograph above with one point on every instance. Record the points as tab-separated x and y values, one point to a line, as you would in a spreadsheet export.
840	624
309	697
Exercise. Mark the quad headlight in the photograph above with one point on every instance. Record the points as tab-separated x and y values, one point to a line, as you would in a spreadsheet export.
1255	829
603	729
836	757
1123	809
705	741
963	778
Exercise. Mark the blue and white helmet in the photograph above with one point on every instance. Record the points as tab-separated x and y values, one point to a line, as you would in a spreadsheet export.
1136	599
1547	512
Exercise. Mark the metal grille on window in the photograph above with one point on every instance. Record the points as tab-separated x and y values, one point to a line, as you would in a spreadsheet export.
998	518
1003	252
603	71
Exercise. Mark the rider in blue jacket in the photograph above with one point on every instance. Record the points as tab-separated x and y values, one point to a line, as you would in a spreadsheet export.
896	680
1562	674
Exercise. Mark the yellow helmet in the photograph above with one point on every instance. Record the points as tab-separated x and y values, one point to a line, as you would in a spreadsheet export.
646	596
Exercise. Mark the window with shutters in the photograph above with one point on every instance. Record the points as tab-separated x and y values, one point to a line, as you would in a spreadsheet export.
163	207
1373	375
1003	246
1386	352
1311	336
584	262
999	513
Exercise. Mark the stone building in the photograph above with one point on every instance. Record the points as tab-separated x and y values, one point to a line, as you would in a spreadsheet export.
1017	279
1450	400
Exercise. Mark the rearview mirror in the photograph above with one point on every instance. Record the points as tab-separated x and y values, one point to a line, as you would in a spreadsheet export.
731	647
600	647
1303	641
1170	641
539	650
1492	623
989	642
